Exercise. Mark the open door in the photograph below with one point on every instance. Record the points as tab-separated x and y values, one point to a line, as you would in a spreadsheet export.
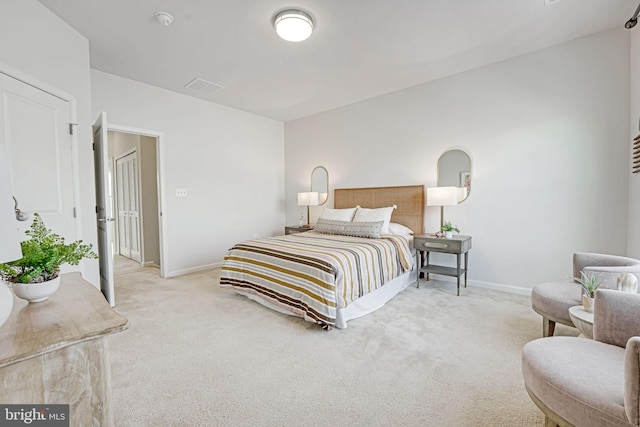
104	215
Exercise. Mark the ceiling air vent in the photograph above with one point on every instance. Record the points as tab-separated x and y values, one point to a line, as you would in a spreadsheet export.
203	86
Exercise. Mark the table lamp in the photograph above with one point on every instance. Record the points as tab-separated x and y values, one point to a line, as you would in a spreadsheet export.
442	196
309	198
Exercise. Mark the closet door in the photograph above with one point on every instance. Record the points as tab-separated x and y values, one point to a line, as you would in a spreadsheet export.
134	208
128	199
122	200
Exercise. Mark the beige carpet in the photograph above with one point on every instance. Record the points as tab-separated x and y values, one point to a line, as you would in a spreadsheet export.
198	355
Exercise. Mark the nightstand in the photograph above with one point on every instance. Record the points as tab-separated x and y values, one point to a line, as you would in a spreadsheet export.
292	229
457	245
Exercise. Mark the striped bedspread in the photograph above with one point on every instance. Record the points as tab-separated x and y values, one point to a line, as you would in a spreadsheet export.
312	274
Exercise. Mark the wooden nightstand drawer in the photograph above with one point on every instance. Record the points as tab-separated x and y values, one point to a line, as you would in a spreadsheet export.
457	244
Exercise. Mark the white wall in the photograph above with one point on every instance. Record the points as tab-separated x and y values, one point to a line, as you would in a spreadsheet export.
37	43
548	134
230	162
634	178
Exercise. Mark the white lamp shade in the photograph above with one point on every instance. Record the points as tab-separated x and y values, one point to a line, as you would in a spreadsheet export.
10	241
293	25
309	198
442	196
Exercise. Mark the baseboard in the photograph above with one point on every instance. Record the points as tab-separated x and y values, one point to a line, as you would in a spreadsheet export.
192	269
510	289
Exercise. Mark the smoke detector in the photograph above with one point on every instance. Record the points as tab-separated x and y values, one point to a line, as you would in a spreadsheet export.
164	18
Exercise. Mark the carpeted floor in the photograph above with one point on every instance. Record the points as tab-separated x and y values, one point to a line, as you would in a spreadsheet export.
198	355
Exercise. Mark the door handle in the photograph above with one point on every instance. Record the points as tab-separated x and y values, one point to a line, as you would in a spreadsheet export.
106	219
20	216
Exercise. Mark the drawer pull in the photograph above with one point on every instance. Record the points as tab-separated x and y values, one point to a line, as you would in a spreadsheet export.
436	245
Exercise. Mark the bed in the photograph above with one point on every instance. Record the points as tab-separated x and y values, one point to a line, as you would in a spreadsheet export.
329	278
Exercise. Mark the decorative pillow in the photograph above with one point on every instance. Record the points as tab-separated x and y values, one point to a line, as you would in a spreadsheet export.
371	215
395	228
371	230
338	214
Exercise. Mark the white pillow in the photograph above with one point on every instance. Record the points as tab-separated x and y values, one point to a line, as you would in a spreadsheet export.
373	215
395	228
338	214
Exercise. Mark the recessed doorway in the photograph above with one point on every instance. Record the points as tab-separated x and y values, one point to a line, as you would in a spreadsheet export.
134	197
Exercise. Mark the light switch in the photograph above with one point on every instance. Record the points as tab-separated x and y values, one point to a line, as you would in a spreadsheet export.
181	192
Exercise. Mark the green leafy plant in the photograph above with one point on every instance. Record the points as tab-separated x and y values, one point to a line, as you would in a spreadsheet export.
589	283
448	227
42	255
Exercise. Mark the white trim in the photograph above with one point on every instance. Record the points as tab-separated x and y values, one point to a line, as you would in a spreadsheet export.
32	81
193	269
510	289
126	153
159	136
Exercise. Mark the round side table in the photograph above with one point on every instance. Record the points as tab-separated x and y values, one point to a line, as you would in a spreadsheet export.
583	320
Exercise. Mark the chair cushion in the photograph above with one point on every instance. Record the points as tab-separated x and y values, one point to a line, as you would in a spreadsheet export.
553	300
589	393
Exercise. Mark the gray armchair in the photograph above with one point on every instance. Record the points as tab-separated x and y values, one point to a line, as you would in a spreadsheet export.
581	382
552	300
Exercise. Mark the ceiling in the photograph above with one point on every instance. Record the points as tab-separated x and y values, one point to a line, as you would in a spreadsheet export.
359	49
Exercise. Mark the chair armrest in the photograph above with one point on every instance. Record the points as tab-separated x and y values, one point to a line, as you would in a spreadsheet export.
607	267
632	380
615	316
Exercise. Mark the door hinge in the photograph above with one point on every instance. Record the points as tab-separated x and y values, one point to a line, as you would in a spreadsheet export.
96	209
93	146
71	125
74	212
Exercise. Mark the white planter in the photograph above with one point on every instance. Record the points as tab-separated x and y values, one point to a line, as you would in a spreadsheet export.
448	234
6	302
587	303
36	292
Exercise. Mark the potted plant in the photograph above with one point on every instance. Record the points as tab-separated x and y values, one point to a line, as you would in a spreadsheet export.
448	229
35	276
590	283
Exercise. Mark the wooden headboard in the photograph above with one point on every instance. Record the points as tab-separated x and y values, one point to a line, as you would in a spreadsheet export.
409	199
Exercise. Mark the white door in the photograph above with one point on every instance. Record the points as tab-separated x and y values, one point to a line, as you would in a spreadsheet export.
35	129
122	207
104	216
128	196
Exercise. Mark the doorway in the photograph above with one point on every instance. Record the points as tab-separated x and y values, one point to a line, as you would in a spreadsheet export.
134	195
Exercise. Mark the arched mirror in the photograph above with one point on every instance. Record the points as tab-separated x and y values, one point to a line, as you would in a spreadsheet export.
454	170
320	183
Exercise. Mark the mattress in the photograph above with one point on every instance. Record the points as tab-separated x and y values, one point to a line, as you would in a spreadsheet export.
315	275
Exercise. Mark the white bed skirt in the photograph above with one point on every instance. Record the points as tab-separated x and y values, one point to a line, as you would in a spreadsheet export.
362	306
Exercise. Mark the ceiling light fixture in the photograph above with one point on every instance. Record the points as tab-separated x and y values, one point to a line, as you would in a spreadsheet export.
164	18
293	25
